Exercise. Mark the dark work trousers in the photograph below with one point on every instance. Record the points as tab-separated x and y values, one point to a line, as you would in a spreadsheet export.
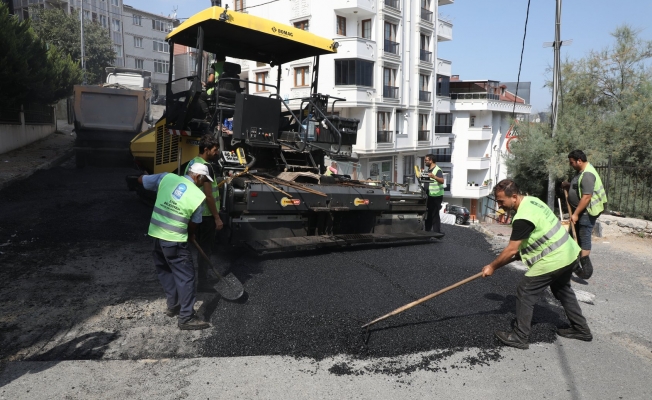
176	273
433	221
529	290
206	239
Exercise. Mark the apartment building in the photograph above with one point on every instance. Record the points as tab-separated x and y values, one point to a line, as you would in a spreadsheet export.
386	67
107	13
482	112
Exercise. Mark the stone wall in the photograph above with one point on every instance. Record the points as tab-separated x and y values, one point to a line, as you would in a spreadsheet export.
610	226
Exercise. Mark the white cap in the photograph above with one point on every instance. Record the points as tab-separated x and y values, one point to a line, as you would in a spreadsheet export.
200	169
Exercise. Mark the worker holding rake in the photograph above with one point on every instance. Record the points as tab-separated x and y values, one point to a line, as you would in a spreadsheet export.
550	255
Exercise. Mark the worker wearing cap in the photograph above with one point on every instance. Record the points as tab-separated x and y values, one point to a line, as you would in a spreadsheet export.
587	195
177	211
435	189
550	255
211	222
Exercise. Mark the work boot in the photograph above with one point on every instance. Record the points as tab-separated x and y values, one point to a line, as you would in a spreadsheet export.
512	339
584	268
194	323
172	312
573	333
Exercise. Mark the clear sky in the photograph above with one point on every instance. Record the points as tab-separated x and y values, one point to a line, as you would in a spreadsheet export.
487	34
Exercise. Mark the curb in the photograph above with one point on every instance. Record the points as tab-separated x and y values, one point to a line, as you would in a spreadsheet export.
46	165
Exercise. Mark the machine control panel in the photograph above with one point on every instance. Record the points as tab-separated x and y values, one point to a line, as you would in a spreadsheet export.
230	157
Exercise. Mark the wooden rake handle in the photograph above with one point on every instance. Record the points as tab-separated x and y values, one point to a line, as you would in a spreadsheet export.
570	215
421	300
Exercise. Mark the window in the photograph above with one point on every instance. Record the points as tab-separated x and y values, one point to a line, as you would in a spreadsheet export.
408	167
261	78
87	14
472	121
162	67
139	64
302	25
354	72
301	76
138	20
115	3
162	26
138	42
390	38
389	83
424	83
425	42
366	29
341	26
384	134
118	50
238	5
423	122
398	122
445	119
443	85
161	47
115	24
103	21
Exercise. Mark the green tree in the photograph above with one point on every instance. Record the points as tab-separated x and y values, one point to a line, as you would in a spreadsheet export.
30	70
64	31
606	110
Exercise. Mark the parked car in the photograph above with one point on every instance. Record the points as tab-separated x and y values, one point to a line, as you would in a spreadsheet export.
462	214
160	100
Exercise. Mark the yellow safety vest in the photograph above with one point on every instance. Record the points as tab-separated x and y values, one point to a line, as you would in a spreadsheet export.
176	200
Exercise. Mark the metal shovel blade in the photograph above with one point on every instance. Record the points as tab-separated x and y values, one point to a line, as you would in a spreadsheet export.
228	286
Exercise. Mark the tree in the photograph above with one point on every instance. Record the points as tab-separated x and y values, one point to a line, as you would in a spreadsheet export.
606	110
30	70
64	31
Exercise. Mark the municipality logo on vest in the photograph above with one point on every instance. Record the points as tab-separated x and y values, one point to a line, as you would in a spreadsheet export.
179	191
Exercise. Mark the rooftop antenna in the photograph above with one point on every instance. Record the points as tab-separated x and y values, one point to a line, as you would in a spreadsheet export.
174	12
556	80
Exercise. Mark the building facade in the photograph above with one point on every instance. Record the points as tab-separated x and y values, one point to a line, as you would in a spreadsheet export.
386	67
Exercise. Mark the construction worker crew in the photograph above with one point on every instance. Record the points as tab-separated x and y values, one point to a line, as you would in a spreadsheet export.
435	190
177	211
550	255
587	196
211	222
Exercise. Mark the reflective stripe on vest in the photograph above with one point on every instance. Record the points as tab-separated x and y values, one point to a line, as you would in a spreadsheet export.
214	189
599	196
435	188
176	200
548	239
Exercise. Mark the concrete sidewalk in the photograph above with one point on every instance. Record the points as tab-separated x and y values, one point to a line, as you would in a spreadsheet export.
42	154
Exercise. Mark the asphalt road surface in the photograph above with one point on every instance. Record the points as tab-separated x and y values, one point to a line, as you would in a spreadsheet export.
81	314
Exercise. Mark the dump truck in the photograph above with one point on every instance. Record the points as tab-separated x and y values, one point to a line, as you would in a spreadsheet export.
107	117
275	195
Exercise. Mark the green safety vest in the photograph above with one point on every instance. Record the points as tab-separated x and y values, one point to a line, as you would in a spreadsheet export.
216	191
549	246
599	197
176	201
218	68
435	188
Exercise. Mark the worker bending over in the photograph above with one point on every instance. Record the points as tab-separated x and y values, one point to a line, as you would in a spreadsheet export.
177	212
550	255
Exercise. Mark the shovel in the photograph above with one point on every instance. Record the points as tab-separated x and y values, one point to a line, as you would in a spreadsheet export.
228	286
421	300
586	268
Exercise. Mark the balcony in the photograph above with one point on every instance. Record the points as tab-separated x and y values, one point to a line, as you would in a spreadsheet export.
355	47
395	4
423	136
391	47
425	55
384	137
363	8
476	192
443	129
444	30
483	133
478	162
474	96
390	92
424	96
443	67
426	15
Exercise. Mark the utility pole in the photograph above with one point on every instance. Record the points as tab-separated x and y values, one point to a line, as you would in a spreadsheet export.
83	61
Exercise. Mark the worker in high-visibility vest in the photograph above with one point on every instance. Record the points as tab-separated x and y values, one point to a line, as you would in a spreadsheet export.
550	254
211	222
435	191
586	194
177	211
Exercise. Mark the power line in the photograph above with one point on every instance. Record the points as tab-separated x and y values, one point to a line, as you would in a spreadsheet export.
518	79
258	5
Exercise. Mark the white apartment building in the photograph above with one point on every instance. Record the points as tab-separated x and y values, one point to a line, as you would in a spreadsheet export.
386	67
107	13
482	114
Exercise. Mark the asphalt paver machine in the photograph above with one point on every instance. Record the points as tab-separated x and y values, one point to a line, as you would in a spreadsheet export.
274	193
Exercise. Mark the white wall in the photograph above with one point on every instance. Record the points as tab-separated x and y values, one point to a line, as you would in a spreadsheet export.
16	136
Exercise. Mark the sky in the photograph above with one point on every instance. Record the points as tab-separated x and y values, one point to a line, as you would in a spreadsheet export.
488	34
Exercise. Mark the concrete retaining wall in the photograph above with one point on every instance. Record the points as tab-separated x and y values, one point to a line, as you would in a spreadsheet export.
15	136
610	226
